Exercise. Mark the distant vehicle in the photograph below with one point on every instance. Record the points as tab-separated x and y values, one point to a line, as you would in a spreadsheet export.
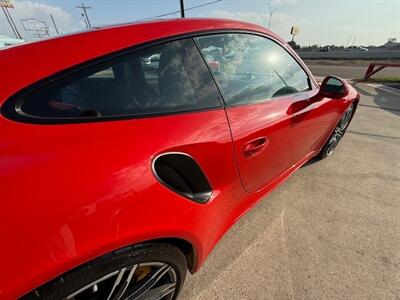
116	178
325	49
212	50
6	41
356	49
391	44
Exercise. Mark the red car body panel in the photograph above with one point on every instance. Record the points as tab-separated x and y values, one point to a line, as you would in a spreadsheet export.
73	192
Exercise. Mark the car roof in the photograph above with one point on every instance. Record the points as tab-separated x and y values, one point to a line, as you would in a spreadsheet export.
31	62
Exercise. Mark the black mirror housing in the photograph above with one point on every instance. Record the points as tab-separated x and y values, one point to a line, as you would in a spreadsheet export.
333	87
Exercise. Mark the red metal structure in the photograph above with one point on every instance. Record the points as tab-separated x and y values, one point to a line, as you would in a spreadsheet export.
119	172
376	67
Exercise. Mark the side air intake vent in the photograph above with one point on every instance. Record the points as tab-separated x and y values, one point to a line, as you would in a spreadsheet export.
181	174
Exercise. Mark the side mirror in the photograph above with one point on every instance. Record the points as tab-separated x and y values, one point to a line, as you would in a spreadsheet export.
333	87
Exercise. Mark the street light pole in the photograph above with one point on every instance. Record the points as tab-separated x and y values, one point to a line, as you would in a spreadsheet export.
182	9
10	20
54	24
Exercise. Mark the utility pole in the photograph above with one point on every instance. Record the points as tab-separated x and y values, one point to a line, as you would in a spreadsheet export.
54	24
86	15
271	13
182	9
86	23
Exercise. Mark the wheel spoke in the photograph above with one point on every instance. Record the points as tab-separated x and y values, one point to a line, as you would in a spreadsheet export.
149	283
332	144
117	282
345	119
159	283
126	283
339	133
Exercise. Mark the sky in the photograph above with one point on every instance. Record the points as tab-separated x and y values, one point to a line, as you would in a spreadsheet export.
321	22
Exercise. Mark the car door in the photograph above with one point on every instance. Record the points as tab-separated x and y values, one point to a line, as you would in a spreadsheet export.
266	93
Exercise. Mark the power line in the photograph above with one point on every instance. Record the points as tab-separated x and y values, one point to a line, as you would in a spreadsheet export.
68	12
149	18
201	5
72	24
179	11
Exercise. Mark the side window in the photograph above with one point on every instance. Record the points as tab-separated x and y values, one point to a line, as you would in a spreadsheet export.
251	68
166	78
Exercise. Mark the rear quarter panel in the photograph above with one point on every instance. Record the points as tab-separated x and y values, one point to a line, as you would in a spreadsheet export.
70	193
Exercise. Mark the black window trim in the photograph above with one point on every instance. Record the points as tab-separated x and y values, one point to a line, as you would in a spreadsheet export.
11	108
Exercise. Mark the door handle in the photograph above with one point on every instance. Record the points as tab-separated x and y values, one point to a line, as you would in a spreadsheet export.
254	147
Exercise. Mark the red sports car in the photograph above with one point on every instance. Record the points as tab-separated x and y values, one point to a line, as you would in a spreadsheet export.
126	152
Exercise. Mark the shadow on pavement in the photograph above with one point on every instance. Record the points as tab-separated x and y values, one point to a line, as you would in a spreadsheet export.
383	100
361	90
374	135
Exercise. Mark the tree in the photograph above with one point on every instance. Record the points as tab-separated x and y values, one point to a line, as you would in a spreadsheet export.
294	45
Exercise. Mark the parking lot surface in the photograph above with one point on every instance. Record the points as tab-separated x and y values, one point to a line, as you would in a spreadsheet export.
331	231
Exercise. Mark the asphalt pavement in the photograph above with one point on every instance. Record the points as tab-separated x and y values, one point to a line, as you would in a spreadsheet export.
331	231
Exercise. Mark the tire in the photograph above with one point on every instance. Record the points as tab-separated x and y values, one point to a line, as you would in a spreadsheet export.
338	133
109	274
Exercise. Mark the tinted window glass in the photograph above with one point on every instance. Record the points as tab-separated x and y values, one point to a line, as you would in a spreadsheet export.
252	68
167	78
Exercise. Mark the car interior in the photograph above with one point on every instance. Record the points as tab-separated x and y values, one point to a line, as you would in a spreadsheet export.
128	87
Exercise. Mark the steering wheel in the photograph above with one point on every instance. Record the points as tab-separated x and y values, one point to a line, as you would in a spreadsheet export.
285	90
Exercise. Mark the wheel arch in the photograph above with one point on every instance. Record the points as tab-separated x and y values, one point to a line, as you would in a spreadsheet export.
187	248
183	245
353	102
